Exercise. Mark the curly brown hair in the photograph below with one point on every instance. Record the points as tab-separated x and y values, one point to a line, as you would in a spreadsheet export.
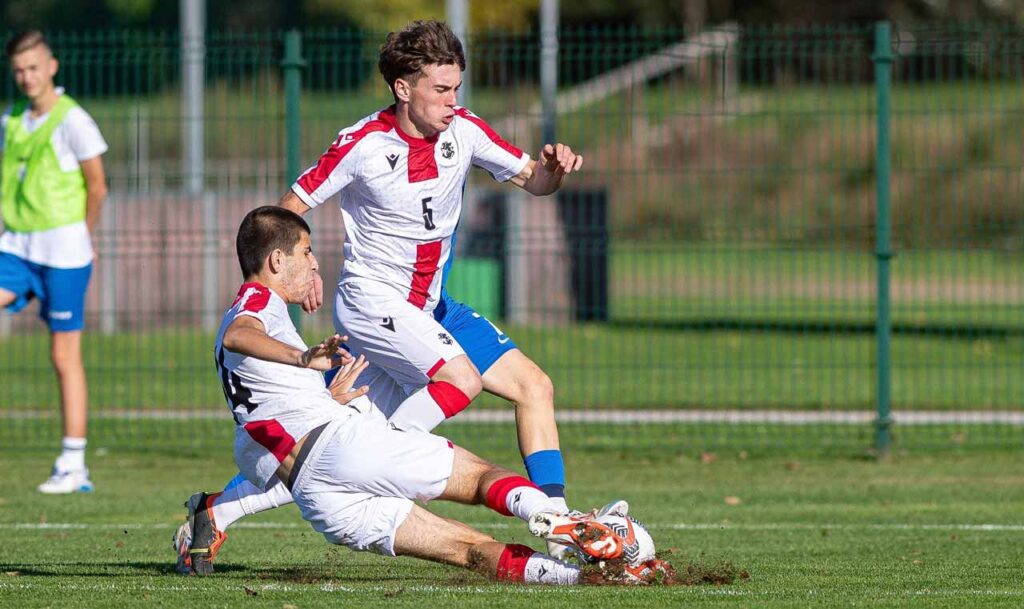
421	43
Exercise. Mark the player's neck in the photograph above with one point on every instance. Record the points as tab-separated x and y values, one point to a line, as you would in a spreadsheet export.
44	102
408	126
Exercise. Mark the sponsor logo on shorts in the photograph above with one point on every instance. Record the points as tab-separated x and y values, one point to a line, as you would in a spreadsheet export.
388	323
503	339
62	315
445	338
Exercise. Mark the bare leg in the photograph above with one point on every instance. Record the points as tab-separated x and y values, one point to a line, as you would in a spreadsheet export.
430	537
517	379
66	355
6	297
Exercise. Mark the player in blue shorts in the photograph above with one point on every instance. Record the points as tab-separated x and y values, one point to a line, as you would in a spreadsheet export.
53	187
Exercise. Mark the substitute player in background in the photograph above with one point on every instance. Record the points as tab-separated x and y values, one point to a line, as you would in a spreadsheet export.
53	186
401	173
353	475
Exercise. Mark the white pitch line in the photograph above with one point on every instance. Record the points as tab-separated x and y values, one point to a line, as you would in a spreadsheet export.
613	416
683	526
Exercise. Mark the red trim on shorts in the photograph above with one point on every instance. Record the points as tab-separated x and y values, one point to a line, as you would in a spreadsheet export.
491	133
257	301
512	562
427	257
433	369
448	397
497	495
270	435
316	175
450	445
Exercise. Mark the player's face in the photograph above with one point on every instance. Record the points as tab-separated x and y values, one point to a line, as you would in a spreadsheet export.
299	268
432	99
34	70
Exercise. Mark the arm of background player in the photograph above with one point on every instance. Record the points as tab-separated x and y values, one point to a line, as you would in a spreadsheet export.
96	189
544	177
315	298
247	336
291	201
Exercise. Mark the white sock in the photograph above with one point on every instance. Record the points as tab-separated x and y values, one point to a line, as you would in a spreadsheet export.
72	456
246	499
543	569
526	501
418	411
563	507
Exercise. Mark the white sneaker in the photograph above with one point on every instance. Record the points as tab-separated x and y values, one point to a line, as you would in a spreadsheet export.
65	482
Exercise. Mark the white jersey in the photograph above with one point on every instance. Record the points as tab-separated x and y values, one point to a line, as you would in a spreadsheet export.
274	405
401	196
76	139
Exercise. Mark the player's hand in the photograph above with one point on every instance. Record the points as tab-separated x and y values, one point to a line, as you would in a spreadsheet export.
341	386
315	298
321	357
559	159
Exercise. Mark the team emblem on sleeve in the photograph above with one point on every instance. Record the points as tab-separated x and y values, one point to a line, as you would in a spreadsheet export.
445	338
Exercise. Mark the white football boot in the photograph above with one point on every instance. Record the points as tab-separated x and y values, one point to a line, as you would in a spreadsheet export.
63	482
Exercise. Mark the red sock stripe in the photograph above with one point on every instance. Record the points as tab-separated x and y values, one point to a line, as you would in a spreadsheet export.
449	398
512	563
497	495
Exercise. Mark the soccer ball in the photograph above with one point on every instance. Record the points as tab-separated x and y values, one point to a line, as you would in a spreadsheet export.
637	543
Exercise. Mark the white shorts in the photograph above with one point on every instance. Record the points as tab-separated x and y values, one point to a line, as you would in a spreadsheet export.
358	482
392	334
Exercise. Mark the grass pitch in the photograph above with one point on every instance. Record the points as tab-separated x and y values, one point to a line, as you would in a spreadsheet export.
936	530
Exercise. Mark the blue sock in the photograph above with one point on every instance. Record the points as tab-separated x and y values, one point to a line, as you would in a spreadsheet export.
238	479
546	470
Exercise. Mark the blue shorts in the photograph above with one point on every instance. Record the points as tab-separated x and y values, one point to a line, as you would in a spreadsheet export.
482	341
61	292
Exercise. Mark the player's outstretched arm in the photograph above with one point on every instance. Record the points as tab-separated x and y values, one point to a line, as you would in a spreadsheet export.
247	336
544	176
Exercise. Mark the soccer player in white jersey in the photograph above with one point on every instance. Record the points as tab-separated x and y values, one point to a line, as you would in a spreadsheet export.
400	172
354	476
53	188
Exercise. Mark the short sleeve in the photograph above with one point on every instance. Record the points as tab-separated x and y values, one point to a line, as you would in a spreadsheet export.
3	126
83	135
333	171
492	152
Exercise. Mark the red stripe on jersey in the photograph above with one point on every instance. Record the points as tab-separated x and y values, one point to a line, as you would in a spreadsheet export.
329	161
422	163
427	257
497	139
257	301
270	435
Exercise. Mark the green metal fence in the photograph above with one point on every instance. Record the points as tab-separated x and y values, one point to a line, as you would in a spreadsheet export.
781	235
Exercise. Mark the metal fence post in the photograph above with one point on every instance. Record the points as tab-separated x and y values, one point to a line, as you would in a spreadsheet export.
883	249
292	64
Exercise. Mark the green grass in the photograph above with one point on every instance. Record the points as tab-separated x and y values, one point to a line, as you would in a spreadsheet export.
592	366
822	531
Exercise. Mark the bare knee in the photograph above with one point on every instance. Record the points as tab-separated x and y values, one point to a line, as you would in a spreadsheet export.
65	358
463	374
534	391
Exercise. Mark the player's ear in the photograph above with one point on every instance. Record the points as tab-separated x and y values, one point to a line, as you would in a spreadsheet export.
402	89
54	66
275	261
